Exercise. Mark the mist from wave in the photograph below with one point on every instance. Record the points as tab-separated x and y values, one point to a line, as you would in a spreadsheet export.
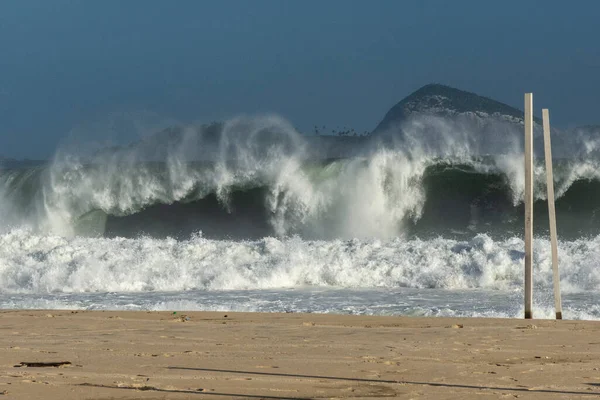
259	177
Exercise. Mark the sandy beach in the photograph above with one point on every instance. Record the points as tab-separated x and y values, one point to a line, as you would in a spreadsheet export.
158	355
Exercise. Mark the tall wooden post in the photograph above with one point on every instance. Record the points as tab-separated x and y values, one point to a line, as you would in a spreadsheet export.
551	212
528	122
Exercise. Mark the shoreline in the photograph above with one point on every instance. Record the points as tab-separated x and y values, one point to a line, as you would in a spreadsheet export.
152	355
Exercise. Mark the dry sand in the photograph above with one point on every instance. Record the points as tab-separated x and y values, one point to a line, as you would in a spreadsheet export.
158	355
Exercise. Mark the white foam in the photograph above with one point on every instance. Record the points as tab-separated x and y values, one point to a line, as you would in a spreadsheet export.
32	263
376	301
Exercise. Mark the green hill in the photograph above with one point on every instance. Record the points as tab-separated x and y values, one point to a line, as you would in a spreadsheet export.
446	101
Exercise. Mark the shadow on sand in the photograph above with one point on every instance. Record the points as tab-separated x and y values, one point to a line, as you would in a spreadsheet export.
434	384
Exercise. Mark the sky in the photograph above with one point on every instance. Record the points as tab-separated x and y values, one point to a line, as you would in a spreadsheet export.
112	71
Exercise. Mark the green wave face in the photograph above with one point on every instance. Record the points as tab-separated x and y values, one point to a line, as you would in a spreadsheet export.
385	195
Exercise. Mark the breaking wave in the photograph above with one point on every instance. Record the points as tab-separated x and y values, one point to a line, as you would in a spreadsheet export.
258	177
251	205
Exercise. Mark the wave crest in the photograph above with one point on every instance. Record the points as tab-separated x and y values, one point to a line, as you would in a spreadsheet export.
258	177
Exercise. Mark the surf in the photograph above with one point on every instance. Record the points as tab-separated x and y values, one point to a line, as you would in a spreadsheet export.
259	177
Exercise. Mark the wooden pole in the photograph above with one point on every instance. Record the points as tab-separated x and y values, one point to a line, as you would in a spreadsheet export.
552	212
528	122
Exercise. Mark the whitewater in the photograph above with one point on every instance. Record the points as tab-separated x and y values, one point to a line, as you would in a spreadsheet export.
254	216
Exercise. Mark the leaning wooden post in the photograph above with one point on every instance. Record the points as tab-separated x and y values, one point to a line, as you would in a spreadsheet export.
528	122
552	212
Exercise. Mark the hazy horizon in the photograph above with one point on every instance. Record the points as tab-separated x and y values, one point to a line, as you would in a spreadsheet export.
114	71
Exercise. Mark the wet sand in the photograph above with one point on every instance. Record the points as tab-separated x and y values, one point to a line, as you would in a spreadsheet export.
208	355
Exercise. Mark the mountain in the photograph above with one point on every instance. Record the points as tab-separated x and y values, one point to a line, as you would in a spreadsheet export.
177	138
11	163
204	143
6	159
479	122
448	102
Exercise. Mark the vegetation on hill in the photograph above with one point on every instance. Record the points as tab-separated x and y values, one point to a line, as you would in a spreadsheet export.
444	100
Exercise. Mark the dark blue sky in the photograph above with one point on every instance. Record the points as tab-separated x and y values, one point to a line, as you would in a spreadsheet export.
73	68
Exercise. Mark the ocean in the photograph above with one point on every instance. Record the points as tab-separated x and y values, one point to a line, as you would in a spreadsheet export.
262	218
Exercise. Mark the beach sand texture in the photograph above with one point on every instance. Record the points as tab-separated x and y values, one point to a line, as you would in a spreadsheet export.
218	355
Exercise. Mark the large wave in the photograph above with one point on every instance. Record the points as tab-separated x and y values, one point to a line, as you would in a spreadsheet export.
257	177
